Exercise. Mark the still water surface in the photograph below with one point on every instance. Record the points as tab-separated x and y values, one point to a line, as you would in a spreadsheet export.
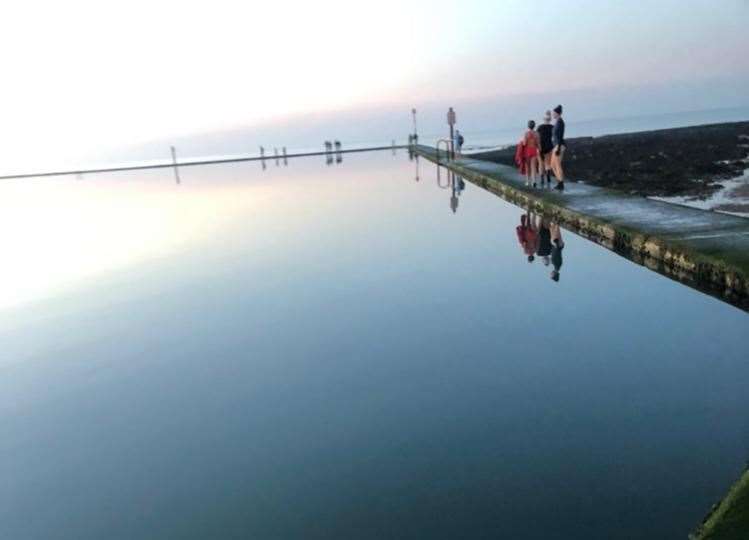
322	351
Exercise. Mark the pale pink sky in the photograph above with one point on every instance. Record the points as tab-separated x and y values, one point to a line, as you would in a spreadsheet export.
82	74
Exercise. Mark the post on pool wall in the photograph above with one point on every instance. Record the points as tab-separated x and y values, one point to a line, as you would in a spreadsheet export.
451	123
416	136
174	163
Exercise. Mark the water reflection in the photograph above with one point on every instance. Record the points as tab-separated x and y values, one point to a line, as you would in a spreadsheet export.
458	185
544	240
338	153
453	182
215	266
447	183
174	162
556	250
333	152
541	237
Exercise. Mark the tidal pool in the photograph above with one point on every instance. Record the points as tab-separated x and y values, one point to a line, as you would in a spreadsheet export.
330	351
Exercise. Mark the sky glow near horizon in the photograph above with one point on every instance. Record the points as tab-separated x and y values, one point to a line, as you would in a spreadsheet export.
84	74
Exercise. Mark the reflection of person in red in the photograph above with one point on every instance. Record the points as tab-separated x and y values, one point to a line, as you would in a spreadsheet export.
527	236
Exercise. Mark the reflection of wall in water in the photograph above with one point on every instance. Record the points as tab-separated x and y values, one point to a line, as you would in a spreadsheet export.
616	241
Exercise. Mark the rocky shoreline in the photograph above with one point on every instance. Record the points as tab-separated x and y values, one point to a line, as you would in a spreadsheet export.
679	162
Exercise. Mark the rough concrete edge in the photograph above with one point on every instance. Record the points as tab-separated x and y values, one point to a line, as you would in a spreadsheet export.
728	281
716	519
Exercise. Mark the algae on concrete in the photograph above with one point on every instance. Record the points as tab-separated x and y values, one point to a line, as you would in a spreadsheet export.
729	519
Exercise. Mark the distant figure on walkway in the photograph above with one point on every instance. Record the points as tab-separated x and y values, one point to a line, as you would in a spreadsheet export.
527	236
532	145
557	139
458	142
338	154
556	250
544	133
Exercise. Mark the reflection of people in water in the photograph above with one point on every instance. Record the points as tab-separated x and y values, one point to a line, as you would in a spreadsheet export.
556	250
544	239
458	185
461	184
541	237
527	236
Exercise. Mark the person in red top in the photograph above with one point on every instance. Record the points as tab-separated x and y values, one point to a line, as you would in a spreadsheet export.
532	144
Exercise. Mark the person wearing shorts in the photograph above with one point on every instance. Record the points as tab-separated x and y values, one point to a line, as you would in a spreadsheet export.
544	132
532	144
557	155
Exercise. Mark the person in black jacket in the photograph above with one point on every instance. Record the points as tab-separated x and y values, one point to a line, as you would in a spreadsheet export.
557	139
544	132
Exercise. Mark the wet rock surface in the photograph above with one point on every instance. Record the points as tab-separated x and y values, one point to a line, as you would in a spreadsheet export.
689	161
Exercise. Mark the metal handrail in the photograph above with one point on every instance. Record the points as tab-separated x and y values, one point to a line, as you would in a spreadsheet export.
449	147
450	179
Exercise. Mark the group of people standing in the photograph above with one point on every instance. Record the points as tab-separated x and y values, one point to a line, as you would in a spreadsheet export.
540	237
541	150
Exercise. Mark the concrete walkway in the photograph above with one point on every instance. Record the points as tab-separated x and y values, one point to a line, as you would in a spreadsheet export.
703	249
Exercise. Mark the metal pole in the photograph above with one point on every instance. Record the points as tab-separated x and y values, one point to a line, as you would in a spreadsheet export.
451	123
174	162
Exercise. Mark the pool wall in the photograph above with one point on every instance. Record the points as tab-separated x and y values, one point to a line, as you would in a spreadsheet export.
705	250
728	519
